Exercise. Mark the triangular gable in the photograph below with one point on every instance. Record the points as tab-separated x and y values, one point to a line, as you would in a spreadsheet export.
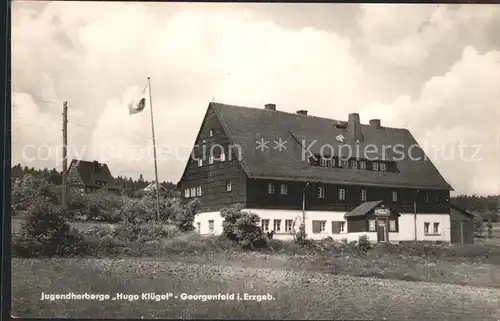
367	208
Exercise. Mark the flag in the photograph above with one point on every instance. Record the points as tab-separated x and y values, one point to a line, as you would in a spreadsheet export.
137	105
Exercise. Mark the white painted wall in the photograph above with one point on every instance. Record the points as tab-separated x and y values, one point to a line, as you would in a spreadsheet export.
407	229
406	225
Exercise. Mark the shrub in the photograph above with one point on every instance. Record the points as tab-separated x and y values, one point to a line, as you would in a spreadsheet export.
300	236
46	233
364	243
490	229
144	232
30	190
478	226
242	228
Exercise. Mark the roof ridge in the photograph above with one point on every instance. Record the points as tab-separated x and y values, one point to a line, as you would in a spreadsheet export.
215	104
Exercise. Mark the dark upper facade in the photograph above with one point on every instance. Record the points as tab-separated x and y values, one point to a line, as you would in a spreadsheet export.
265	158
90	176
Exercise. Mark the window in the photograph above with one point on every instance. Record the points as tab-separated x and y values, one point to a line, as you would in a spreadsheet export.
338	227
193	191
375	166
340	162
200	162
222	157
344	164
211	132
198	191
363	194
186	193
322	161
211	226
198	227
426	197
211	159
284	189
331	162
426	227
270	188
265	225
371	225
354	164
341	194
394	196
392	226
277	225
228	186
383	167
436	228
321	192
362	164
319	226
288	225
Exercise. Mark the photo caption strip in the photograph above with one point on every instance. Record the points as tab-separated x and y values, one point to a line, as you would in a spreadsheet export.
156	297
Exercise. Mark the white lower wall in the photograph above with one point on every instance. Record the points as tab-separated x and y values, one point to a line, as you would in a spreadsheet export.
406	225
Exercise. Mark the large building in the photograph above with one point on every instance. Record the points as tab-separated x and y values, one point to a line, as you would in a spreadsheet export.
343	178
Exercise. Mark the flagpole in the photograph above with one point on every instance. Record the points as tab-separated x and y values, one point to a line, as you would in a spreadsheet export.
154	154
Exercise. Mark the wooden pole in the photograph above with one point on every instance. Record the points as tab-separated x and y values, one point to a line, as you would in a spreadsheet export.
154	154
65	156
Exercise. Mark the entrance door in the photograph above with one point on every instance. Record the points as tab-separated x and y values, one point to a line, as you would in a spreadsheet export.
381	231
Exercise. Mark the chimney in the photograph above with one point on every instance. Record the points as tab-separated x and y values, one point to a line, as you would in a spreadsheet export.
354	128
270	106
302	112
375	123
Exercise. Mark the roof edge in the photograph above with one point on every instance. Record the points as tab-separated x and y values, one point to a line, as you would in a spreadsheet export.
305	180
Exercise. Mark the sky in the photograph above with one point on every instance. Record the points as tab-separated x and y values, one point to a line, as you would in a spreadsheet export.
434	69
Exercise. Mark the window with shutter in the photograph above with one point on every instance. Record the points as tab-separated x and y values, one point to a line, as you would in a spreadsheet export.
316	225
335	227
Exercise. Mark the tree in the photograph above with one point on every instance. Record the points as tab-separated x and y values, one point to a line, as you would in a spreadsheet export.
29	190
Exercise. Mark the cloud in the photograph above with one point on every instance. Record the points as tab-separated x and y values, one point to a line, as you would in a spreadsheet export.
407	36
456	119
97	57
192	56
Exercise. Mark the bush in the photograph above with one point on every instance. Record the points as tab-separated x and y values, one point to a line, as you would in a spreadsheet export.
478	226
30	190
364	243
490	229
243	228
144	232
46	233
301	237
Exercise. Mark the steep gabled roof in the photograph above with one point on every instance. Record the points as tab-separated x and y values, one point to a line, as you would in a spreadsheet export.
245	126
90	176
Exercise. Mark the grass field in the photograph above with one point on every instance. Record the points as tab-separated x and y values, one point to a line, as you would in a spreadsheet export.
297	295
394	283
